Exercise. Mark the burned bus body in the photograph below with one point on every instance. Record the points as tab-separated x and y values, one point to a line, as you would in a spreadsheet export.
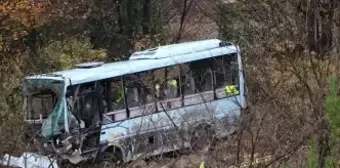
157	101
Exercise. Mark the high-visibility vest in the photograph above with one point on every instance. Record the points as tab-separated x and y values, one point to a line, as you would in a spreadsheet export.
231	90
157	86
202	165
120	95
173	82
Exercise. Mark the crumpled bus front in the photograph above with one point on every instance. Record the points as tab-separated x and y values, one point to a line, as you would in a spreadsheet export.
45	105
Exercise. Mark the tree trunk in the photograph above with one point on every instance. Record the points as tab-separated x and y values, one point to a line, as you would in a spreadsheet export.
312	25
326	40
146	17
120	16
323	148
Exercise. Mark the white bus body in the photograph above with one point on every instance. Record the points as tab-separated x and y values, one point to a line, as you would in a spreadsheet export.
131	129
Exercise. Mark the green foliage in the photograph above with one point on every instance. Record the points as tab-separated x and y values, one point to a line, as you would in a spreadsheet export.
11	115
284	166
313	153
333	109
65	54
333	118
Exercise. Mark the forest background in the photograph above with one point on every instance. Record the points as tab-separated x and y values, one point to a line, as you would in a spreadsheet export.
290	49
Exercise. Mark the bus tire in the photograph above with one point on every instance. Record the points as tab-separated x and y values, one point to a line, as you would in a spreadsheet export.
106	159
202	137
110	157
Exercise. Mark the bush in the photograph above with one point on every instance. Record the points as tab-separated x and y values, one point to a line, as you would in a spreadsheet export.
61	55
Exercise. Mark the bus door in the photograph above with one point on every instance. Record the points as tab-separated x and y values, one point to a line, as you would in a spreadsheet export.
88	109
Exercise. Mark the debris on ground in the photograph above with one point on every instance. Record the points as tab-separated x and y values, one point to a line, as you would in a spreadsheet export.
29	160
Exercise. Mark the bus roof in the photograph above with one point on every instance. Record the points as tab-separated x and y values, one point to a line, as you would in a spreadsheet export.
159	57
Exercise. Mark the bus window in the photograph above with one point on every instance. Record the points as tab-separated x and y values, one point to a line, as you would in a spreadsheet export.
116	96
131	90
146	95
42	104
202	75
225	71
188	85
87	106
172	89
160	84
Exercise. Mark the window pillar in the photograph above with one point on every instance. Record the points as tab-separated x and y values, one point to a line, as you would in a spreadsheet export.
125	98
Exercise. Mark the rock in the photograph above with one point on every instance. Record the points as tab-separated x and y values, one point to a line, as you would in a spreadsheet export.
139	164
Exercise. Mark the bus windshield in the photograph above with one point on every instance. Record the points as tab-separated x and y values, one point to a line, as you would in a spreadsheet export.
41	97
41	105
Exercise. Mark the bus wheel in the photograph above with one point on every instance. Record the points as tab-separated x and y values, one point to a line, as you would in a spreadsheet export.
107	160
202	137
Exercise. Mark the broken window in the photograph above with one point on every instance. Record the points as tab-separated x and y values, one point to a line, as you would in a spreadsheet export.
146	83
87	104
54	124
42	104
115	95
188	85
41	97
160	83
131	90
172	88
45	100
202	75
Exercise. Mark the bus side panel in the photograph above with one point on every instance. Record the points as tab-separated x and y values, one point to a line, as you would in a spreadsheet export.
147	134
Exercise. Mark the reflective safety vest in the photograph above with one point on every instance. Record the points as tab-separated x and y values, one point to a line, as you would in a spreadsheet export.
173	82
202	165
120	95
231	90
157	86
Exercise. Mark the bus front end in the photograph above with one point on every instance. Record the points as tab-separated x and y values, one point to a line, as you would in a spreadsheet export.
50	122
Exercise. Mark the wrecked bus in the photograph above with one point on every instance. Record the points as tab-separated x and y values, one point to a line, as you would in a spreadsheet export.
159	100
